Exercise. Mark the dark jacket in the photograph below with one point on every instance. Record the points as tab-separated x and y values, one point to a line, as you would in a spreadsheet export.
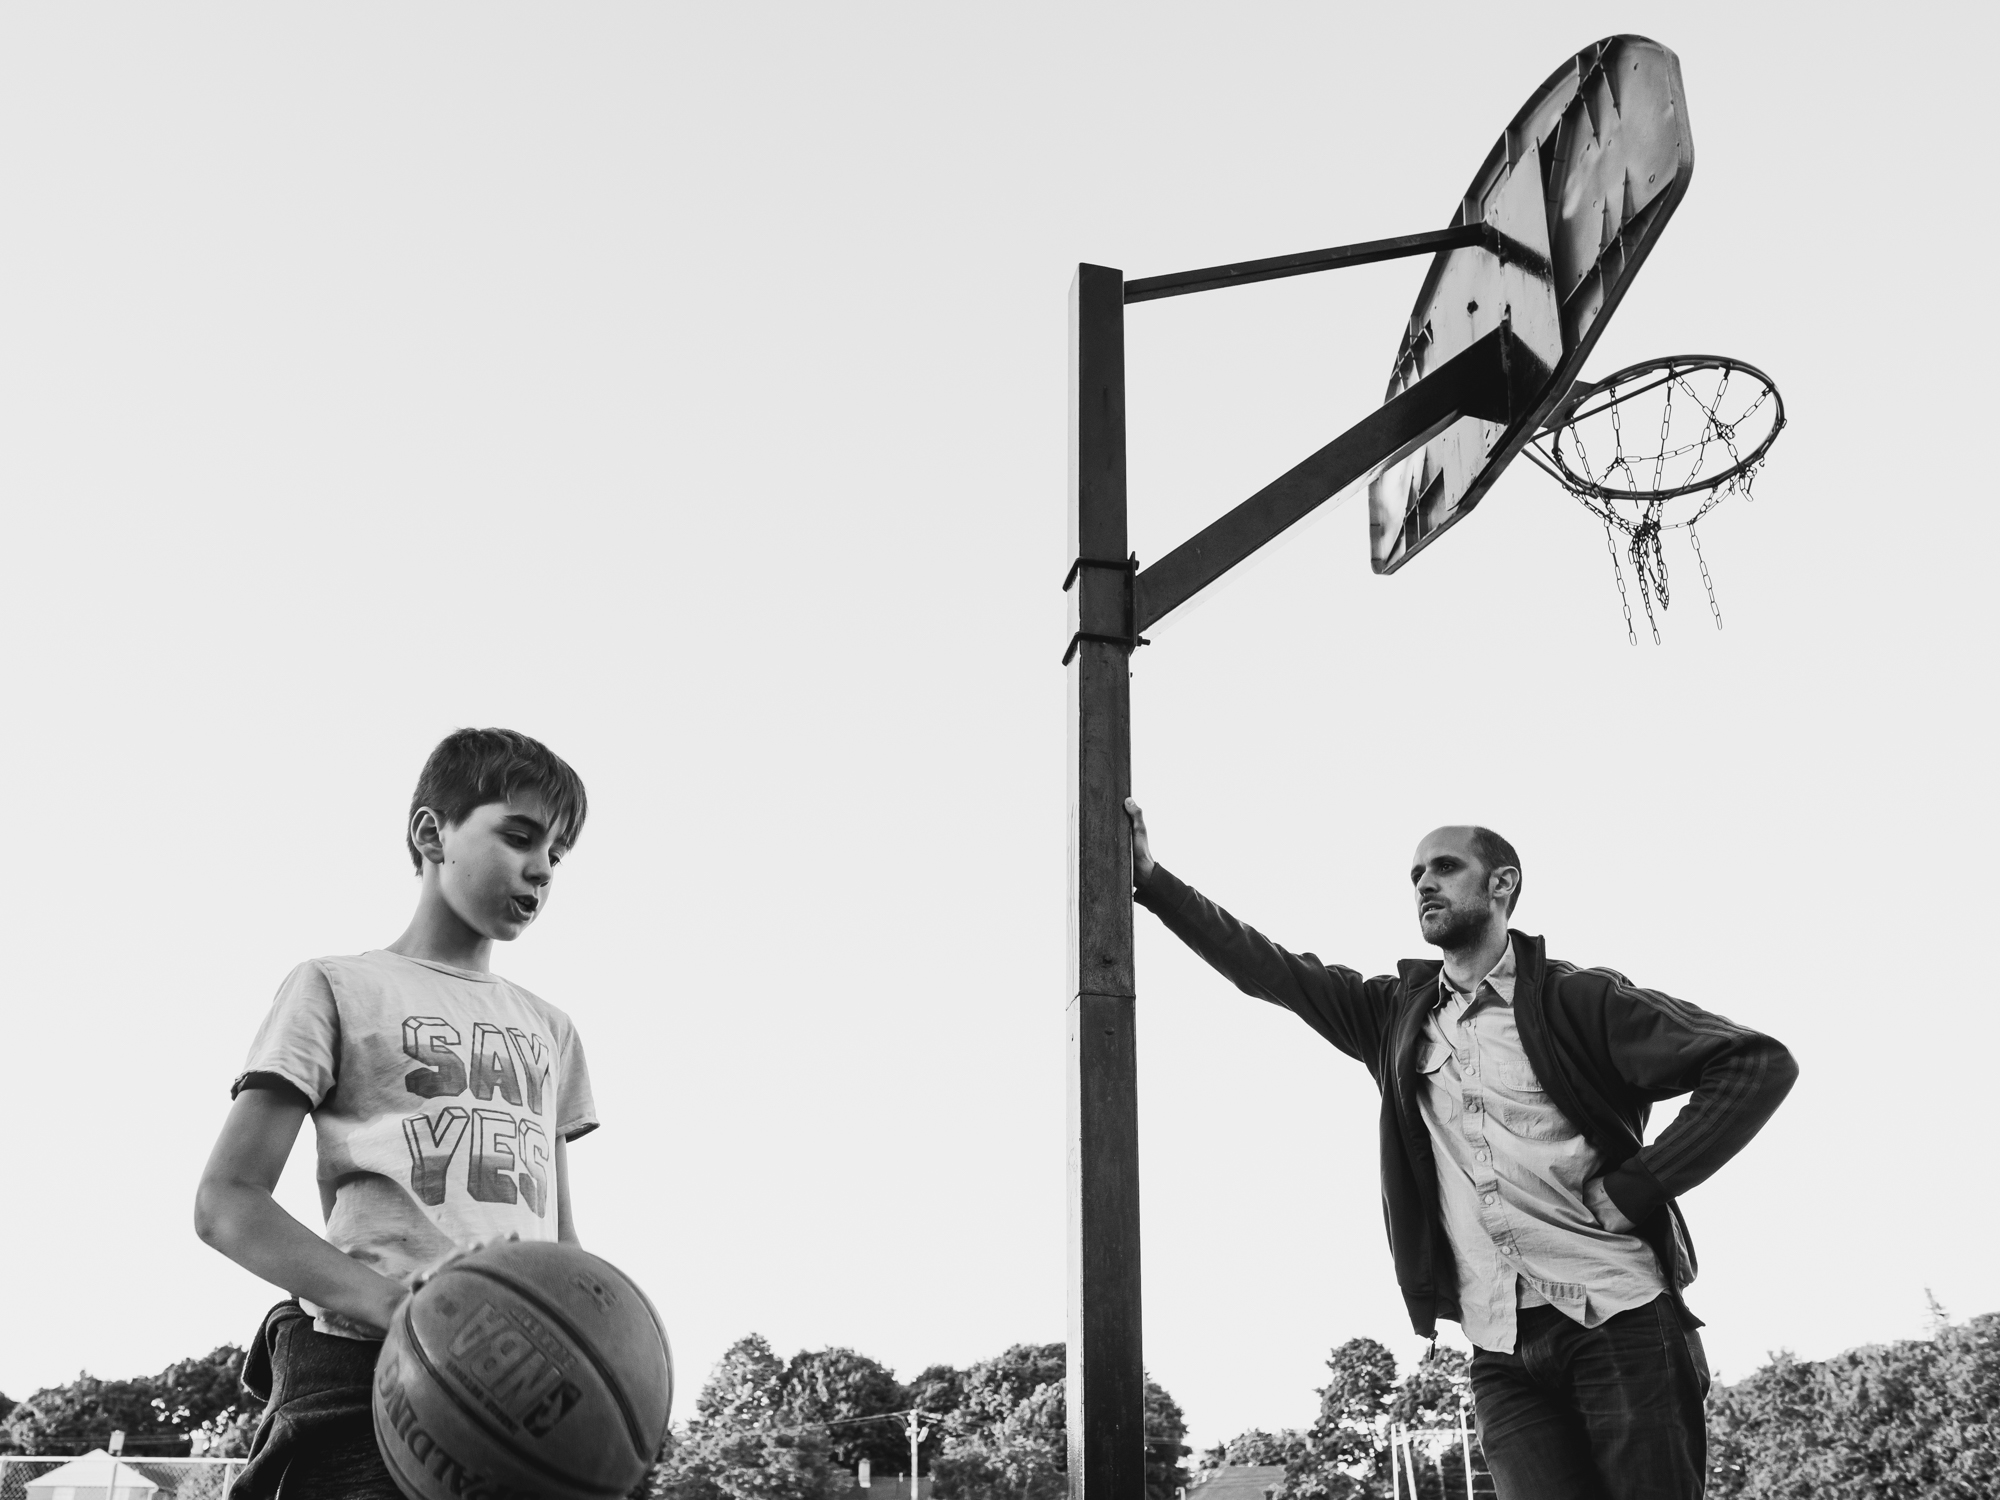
1605	1049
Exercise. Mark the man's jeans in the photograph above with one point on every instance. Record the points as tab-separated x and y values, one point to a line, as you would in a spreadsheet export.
1606	1413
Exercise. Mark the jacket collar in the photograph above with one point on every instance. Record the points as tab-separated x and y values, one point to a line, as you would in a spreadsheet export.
1422	987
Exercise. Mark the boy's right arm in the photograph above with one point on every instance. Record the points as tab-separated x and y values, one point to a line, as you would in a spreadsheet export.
1338	1003
235	1212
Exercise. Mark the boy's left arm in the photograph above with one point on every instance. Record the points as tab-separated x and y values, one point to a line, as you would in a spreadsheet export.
1735	1078
565	1224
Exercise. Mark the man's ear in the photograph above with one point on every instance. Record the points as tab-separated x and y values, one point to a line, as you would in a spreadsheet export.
1501	884
427	833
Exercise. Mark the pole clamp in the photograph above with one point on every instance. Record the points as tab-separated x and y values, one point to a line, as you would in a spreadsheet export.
1131	640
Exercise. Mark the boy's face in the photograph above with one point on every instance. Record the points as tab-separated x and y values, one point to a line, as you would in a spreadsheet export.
498	865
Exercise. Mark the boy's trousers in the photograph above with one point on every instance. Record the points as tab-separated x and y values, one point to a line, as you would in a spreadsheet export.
316	1440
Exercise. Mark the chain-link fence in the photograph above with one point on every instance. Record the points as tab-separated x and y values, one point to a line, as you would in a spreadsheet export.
17	1473
177	1478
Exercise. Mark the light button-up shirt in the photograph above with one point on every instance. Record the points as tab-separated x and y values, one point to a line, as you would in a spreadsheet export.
1524	1207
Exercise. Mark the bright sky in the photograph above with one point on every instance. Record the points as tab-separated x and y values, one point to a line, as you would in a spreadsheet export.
685	386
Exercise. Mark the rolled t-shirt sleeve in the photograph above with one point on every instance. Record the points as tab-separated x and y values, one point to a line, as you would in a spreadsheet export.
576	1112
300	1038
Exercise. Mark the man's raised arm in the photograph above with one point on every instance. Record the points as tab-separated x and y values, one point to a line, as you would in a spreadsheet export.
1338	1003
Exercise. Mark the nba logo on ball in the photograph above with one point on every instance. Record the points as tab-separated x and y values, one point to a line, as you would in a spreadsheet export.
523	1371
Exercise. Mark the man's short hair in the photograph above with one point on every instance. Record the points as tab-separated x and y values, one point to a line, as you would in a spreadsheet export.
473	767
1493	851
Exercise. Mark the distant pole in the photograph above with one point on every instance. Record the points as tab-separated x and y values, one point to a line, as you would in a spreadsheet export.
1465	1442
1106	1373
917	1435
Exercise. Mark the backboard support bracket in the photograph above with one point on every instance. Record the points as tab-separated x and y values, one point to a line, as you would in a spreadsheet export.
1496	379
1480	236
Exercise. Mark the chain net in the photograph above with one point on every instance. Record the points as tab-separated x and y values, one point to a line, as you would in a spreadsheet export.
1676	437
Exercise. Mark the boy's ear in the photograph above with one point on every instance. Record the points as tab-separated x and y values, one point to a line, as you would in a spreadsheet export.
426	832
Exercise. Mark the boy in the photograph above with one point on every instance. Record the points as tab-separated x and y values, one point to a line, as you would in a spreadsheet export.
442	1096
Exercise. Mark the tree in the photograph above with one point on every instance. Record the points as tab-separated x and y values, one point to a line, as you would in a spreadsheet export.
1008	1438
1166	1446
1920	1417
157	1413
746	1388
69	1418
1022	1456
743	1444
995	1387
939	1390
1968	1391
1343	1456
834	1386
196	1391
1429	1395
1256	1447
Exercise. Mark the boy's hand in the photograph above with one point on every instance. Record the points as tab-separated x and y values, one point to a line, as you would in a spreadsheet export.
1142	846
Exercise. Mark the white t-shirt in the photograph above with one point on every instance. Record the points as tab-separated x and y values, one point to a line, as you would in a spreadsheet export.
437	1096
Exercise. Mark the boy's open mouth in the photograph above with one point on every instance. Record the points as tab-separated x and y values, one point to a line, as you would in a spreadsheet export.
524	906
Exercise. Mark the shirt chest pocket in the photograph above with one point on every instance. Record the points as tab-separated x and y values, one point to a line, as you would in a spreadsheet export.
1436	1080
1524	1106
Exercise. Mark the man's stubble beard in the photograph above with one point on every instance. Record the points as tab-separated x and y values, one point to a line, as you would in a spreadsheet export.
1460	928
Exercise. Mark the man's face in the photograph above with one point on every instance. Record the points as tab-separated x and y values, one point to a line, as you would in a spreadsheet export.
498	865
1456	899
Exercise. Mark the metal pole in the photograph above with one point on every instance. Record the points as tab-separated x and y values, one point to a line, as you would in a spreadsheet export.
1465	1442
917	1435
1106	1371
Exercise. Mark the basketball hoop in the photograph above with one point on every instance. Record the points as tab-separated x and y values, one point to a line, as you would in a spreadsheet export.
1678	436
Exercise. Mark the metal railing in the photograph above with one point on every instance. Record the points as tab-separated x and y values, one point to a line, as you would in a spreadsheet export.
1411	1449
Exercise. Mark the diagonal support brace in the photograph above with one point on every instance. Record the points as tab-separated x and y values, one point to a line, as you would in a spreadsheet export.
1496	379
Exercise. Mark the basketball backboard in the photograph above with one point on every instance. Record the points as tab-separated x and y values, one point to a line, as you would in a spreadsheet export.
1581	183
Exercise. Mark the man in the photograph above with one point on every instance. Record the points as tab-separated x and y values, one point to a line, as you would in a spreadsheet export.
1520	1200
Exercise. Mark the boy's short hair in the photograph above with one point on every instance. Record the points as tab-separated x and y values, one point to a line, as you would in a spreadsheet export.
473	767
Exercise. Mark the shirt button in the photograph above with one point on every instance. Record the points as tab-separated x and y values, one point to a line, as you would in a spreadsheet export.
1473	1071
1506	1249
1488	1199
1480	1155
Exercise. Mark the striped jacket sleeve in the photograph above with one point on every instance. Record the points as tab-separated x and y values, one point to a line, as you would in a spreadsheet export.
1349	1011
1736	1079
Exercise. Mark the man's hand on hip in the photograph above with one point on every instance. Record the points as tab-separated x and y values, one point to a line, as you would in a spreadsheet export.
1142	847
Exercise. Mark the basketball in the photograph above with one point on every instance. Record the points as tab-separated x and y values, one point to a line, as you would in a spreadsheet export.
523	1370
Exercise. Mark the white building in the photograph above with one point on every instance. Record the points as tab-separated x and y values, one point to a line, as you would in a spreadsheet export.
95	1476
